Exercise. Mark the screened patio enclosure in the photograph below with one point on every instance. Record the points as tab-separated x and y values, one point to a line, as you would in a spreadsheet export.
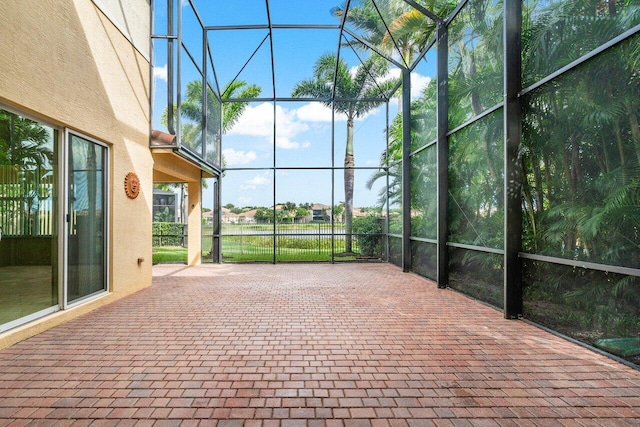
492	146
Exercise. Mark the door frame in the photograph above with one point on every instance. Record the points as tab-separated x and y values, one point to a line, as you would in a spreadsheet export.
64	241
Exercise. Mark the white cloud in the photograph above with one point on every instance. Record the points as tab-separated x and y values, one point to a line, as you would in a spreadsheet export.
233	157
317	112
259	180
286	144
395	73
418	83
245	200
255	121
288	124
258	121
160	73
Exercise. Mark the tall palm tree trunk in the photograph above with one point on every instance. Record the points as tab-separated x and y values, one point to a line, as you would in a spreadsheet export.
635	132
620	142
349	180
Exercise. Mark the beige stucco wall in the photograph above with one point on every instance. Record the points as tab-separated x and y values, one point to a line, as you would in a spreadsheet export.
127	15
171	168
67	63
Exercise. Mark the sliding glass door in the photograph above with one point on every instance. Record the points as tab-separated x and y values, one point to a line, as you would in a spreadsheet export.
32	257
86	212
28	219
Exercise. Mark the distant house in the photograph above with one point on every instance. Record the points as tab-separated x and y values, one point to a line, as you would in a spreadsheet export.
207	217
320	212
248	217
358	212
229	217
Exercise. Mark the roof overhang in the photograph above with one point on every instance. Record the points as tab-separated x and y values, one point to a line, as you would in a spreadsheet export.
173	164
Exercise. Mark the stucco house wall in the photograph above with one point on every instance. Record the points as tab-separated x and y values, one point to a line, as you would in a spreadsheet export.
84	65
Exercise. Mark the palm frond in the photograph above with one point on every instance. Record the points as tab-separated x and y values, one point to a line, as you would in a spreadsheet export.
232	111
312	89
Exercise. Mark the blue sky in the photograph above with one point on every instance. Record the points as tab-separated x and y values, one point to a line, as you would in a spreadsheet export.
303	130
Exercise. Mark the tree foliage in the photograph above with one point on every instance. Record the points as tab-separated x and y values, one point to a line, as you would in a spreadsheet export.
580	152
26	169
220	116
369	234
394	26
349	93
23	142
582	146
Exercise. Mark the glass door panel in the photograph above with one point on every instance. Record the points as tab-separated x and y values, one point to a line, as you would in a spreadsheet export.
28	219
86	247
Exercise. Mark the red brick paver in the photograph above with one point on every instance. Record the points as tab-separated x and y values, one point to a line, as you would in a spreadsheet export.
286	345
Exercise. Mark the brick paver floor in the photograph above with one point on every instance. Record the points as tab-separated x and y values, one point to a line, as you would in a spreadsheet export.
307	345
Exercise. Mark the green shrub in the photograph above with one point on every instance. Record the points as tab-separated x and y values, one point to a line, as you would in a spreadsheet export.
168	234
368	231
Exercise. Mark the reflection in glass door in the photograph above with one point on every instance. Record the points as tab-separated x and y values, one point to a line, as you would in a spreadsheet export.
86	225
28	220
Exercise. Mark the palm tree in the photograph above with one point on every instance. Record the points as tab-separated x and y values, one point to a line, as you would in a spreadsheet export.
232	111
365	83
581	146
23	142
567	193
26	163
191	109
409	30
370	18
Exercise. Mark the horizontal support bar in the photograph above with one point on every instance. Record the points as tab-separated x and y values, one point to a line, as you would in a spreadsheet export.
424	240
327	235
476	118
273	26
424	147
328	168
582	264
622	37
323	100
476	248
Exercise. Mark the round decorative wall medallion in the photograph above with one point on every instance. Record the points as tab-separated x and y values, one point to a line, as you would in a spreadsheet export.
131	185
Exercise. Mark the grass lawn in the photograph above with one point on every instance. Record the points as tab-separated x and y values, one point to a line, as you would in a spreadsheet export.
169	255
297	248
255	243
